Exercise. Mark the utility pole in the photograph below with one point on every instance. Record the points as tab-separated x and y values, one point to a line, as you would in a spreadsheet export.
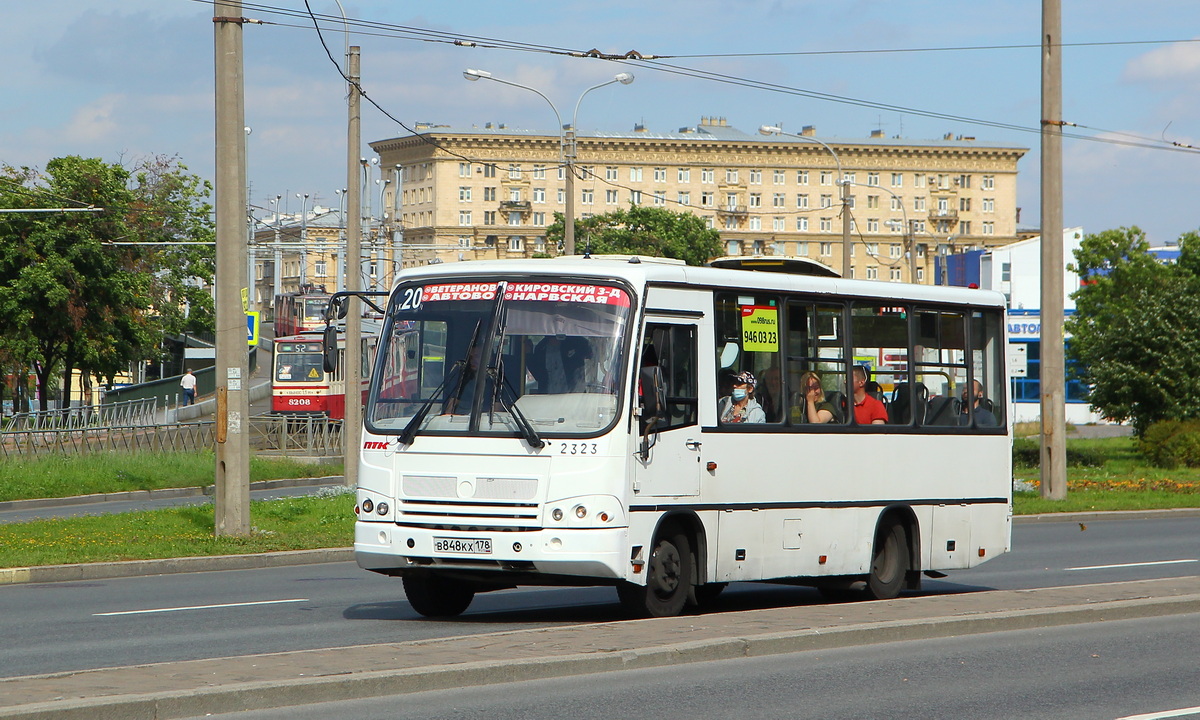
232	476
912	252
568	151
352	372
1053	382
845	228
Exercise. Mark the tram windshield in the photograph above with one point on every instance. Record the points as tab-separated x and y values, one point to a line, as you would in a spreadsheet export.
525	358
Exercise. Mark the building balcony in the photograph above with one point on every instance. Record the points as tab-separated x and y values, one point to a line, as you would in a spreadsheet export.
948	214
515	206
732	210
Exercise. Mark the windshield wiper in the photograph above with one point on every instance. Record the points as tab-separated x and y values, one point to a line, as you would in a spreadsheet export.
462	366
496	372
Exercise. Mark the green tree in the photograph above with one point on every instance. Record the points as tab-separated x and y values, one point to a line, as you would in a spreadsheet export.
71	297
639	230
1135	334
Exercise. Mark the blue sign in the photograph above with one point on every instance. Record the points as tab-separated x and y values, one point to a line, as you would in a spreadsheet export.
252	326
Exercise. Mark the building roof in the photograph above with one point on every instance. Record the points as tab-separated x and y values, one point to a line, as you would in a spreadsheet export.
706	131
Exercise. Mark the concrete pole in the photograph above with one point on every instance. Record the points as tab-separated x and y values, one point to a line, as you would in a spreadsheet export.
1053	383
568	151
232	476
352	372
845	228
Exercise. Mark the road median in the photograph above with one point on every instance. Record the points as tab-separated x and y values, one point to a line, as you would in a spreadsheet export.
219	685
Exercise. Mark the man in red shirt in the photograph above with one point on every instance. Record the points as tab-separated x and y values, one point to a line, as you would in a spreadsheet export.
867	409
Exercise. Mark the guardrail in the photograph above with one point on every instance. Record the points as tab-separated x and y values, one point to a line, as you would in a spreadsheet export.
275	435
135	413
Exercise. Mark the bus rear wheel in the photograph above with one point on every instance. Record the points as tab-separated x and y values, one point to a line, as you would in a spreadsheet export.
435	596
889	562
668	580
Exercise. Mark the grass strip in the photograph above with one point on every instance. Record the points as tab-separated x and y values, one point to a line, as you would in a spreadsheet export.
69	475
302	523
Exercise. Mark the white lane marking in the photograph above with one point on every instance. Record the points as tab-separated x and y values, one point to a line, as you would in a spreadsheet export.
1164	714
1129	565
199	607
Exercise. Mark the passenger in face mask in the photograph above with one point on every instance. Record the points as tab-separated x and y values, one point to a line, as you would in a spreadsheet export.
740	406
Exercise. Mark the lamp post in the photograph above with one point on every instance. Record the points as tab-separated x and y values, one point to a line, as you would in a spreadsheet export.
566	142
303	238
776	130
341	249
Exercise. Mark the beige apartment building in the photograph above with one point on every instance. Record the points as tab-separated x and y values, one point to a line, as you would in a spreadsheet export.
466	194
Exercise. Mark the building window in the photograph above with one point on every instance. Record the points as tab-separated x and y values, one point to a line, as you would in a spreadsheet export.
731	176
660	174
802	201
489	217
802	249
826	249
756	177
989	182
685	198
755	200
755	222
918	226
850	178
919	180
562	172
894	273
964	227
989	227
730	222
464	169
872	273
778	177
801	177
539	172
707	199
514	194
873	225
610	173
514	243
826	225
894	250
919	202
826	177
610	197
897	204
731	201
779	224
539	219
464	193
587	197
685	175
873	179
562	196
872	202
872	249
660	197
708	175
920	274
964	181
514	172
635	197
635	174
802	224
732	247
964	204
539	195
489	194
778	200
514	218
826	201
321	268
989	205
464	217
897	179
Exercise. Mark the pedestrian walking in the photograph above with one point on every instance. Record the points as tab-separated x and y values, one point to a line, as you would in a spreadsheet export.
188	383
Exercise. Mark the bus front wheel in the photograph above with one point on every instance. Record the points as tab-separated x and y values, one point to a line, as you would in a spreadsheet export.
435	596
889	562
668	580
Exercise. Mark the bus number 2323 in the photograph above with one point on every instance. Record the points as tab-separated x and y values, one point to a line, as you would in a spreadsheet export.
582	448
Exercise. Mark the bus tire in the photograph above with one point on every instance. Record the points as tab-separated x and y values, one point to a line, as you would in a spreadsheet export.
435	596
668	580
889	561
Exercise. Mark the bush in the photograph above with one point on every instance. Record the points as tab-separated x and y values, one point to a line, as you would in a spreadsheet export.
1027	452
1171	443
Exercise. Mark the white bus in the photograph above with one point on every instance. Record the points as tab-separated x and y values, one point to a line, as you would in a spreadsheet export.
558	422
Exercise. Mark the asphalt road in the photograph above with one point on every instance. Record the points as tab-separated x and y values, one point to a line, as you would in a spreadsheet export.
1079	672
55	627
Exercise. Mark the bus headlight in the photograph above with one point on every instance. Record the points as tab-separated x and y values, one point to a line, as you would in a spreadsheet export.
580	512
557	514
382	508
368	505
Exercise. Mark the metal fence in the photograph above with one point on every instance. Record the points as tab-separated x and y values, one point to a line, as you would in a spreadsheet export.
274	435
131	413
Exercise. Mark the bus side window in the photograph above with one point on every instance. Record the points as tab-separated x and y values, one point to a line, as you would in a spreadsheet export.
669	356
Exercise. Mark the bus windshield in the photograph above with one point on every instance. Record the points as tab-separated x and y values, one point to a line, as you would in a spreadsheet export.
460	358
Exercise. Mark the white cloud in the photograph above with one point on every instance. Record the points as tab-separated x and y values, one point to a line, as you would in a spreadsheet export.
1180	61
95	121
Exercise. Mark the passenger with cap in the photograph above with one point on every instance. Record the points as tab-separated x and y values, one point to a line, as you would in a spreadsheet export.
739	406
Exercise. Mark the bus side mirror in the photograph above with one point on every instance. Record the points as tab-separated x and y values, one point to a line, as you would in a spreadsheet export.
329	349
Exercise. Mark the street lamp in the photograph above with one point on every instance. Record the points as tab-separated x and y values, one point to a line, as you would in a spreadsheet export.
776	130
566	141
303	238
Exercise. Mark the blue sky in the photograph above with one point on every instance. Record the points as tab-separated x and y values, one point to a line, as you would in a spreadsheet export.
122	81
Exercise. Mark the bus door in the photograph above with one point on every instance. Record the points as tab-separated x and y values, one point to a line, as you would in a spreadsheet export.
667	457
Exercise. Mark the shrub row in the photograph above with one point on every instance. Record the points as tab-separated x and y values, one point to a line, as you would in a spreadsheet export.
1171	443
1027	452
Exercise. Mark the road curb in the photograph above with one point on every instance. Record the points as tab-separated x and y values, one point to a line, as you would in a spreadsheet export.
138	568
258	695
162	493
